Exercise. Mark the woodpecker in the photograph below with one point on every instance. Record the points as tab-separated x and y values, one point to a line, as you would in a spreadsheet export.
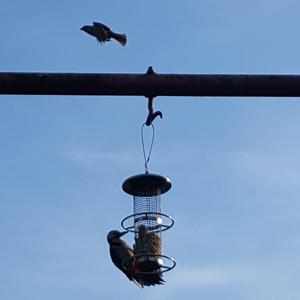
103	33
122	256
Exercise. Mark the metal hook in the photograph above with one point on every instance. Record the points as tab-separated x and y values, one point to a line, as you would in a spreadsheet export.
152	115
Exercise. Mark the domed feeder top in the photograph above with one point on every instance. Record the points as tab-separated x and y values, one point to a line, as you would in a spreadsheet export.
146	184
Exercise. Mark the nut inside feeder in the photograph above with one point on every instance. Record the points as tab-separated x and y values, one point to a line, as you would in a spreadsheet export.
148	222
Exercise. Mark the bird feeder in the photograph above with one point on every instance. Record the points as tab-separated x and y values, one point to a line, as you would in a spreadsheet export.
148	222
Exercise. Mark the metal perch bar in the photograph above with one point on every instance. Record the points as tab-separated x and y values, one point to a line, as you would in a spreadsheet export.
149	84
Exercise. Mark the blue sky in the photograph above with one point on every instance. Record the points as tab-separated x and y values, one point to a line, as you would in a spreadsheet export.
234	162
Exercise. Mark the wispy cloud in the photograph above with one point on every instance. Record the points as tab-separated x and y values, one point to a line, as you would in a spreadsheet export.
258	280
197	277
270	168
188	277
89	156
86	156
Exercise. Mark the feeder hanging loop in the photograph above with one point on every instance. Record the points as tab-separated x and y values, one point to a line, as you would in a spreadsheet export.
147	158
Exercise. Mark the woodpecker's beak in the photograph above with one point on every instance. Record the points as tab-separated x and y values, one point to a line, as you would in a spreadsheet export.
123	232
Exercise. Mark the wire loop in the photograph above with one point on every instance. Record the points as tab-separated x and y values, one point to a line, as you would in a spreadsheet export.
147	158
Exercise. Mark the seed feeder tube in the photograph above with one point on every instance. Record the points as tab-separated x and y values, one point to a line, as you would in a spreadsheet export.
148	222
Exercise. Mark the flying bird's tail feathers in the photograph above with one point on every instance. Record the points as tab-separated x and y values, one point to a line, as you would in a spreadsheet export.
121	38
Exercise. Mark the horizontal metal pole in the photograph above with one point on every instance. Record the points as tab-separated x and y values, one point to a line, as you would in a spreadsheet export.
149	85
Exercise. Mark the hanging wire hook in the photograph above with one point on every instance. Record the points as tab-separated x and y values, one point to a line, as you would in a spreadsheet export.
152	115
147	158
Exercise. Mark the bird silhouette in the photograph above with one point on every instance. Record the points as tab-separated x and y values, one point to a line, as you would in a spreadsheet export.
103	33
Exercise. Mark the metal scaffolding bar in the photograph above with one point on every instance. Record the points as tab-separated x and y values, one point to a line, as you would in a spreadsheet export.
149	84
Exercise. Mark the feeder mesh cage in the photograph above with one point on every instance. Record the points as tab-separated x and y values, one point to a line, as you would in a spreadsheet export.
148	237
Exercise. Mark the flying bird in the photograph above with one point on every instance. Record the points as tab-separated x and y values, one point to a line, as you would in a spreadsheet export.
103	33
122	255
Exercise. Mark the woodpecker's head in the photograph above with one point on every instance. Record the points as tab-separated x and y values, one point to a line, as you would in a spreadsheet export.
115	234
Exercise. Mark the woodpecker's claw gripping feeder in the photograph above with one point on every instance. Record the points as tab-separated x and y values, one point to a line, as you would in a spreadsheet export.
148	222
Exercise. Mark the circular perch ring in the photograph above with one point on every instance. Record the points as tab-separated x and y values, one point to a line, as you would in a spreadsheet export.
161	269
145	216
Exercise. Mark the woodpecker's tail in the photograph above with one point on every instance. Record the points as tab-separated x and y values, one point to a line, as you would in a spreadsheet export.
138	283
150	279
121	38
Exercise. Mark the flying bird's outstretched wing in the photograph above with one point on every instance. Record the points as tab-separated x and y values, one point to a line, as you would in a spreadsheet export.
100	25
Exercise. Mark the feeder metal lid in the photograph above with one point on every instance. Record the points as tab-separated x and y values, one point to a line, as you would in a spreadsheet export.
146	184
